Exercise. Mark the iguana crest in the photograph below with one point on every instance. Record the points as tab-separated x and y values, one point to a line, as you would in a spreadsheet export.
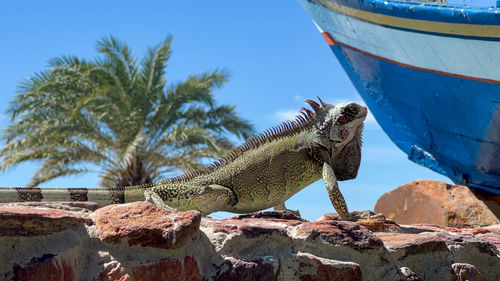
304	120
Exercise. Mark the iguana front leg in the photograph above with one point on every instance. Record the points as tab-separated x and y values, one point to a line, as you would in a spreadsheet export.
332	187
338	199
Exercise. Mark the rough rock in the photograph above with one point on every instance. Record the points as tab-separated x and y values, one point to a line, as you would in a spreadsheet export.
465	272
435	202
167	269
342	233
141	241
491	200
407	274
414	243
145	224
379	224
250	227
73	206
18	221
312	268
239	270
47	267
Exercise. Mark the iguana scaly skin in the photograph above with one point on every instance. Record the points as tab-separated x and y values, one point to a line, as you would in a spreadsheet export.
263	172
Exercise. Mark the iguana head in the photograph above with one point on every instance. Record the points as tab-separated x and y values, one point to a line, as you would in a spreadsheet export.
338	136
344	123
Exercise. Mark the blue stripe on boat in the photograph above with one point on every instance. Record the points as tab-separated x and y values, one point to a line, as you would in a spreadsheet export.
440	12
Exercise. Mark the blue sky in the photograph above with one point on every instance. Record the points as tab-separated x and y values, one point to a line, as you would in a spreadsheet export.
275	55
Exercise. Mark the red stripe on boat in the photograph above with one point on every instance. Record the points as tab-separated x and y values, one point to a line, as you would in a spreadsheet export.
328	38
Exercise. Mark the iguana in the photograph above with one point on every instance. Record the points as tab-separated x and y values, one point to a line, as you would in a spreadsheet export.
263	172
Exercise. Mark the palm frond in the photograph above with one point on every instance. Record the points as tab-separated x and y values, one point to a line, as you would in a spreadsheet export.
153	69
134	149
116	50
69	62
123	62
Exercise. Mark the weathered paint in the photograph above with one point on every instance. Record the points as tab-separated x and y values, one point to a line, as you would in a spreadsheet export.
429	73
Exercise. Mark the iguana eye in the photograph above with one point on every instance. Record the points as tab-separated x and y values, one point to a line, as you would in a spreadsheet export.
342	120
352	110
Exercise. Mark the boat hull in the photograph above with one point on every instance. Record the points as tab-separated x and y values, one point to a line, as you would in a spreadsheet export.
436	93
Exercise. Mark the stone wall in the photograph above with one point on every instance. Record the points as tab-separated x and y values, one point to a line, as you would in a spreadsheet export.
140	241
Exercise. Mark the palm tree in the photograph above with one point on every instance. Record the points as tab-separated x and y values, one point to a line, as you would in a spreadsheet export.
118	115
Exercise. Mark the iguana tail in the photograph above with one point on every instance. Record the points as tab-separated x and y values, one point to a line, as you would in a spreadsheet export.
102	196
